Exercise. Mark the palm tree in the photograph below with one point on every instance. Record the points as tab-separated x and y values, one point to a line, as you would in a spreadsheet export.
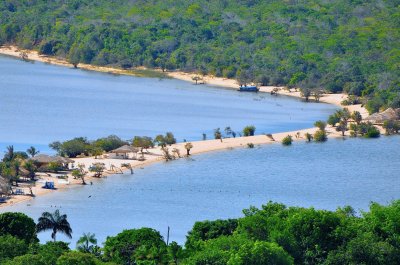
15	166
86	242
32	151
9	155
31	167
56	222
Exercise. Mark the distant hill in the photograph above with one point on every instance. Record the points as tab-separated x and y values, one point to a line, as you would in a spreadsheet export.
351	46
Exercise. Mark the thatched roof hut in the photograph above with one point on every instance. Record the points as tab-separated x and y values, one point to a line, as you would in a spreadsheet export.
43	159
64	160
124	150
387	115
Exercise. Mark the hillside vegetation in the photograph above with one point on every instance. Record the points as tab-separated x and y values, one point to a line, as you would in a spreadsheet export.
340	45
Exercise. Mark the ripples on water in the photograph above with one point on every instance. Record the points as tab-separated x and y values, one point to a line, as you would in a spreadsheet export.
221	184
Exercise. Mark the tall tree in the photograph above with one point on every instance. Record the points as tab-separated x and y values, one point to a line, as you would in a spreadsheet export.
56	222
86	242
10	154
32	151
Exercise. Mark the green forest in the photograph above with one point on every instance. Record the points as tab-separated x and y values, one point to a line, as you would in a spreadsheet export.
274	234
341	45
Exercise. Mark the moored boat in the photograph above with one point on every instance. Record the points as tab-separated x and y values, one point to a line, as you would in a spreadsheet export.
249	88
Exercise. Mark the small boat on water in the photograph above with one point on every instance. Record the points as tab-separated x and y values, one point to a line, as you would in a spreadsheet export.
249	89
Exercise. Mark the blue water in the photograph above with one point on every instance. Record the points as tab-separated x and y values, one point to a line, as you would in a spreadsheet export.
42	103
220	184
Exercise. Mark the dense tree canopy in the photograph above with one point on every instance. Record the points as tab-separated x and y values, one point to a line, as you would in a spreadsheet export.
18	225
135	244
273	234
339	45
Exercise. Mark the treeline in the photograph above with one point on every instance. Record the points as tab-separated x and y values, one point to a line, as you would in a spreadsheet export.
274	234
82	146
339	45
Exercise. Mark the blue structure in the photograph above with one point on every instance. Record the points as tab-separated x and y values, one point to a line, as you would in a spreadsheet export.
248	88
49	185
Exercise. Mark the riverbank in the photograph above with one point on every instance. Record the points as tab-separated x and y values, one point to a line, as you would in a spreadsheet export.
334	99
156	154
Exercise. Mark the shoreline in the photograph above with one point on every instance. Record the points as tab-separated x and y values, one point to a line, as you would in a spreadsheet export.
199	147
334	99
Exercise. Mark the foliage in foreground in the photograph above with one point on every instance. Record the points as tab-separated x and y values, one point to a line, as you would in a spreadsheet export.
273	234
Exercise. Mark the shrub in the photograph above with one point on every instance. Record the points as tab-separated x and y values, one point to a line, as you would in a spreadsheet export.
353	129
308	136
250	145
342	127
351	100
333	119
249	130
305	93
320	136
170	138
391	127
143	142
287	140
320	125
356	116
163	141
372	132
217	133
365	129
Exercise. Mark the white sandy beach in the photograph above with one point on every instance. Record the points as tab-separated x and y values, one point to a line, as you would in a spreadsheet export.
198	146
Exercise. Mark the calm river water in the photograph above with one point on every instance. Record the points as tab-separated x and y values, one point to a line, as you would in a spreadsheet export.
41	103
220	184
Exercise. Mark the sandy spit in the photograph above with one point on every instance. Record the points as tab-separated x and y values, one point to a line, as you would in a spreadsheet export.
155	154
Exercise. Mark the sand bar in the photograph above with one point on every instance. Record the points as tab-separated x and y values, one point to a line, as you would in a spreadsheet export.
155	154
